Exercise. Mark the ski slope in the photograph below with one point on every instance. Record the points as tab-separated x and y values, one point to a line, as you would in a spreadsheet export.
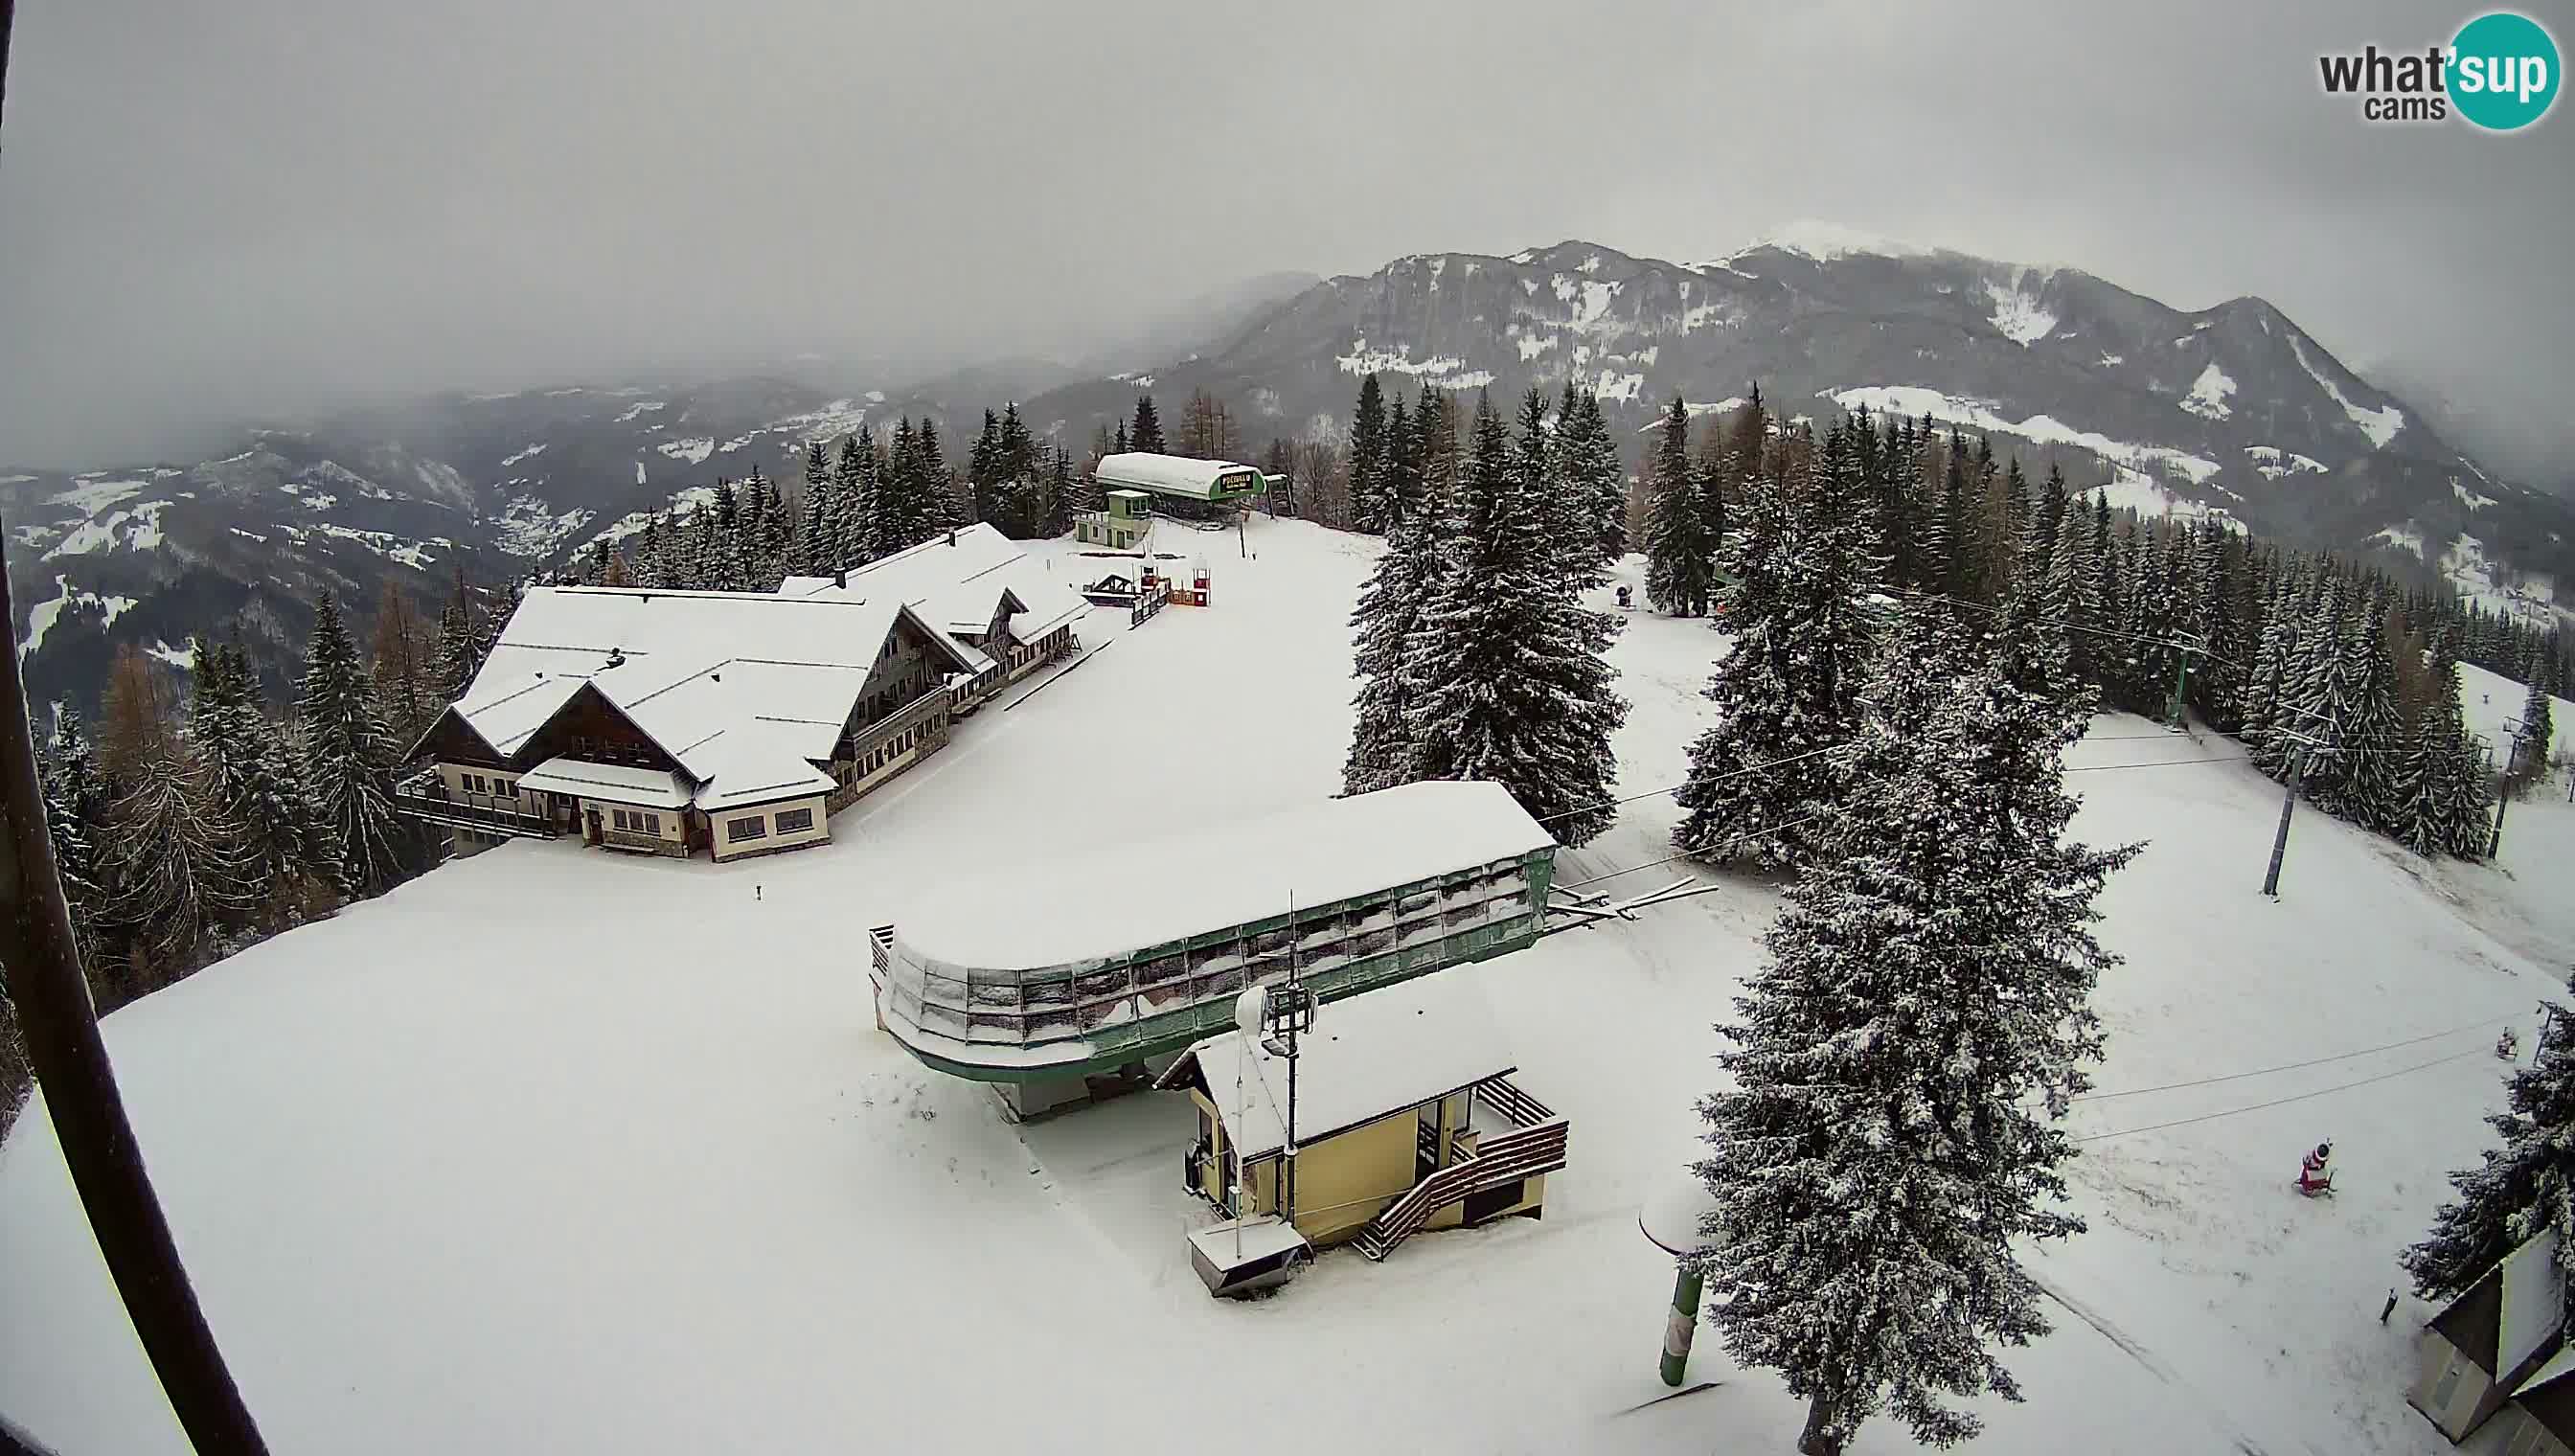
552	1150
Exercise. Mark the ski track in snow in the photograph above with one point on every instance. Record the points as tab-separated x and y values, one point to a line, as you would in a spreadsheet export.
630	1199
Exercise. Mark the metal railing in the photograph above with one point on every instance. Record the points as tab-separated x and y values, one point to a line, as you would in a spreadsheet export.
1500	1159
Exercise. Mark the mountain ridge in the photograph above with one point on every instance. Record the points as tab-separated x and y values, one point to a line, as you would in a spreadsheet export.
2231	408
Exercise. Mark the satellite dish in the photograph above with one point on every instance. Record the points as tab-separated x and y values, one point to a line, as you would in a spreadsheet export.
1249	1010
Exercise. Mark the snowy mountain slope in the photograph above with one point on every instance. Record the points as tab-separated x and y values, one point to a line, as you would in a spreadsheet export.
448	1190
2174	409
495	485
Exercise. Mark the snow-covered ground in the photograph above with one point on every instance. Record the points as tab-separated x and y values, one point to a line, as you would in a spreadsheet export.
553	1150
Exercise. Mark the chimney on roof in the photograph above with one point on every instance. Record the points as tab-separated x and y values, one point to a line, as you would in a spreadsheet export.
840	577
952	535
615	658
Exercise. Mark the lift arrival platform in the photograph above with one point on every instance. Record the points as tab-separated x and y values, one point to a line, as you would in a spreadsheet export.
1074	980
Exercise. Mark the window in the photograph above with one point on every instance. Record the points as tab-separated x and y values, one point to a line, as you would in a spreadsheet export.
617	816
749	827
505	788
2446	1386
474	783
793	820
650	824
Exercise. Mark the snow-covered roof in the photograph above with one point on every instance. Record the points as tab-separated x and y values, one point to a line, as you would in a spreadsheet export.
2556	1369
757	764
1369	1056
1170	475
730	683
1212	876
957	580
2534	1303
1238	1241
650	788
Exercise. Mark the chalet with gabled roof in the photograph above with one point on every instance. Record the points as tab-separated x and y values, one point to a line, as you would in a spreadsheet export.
664	723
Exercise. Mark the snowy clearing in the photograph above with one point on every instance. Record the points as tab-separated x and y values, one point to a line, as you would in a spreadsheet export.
694	451
530	453
2018	313
446	1186
640	409
2207	397
136	529
2470	499
2404	538
1446	371
42	616
90	496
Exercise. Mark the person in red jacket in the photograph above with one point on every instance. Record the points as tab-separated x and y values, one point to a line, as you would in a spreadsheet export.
2315	1173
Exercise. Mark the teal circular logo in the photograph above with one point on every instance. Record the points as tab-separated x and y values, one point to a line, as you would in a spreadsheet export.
2503	71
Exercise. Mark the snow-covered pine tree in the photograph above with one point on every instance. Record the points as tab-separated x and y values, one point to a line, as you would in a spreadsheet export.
2270	699
1681	561
175	858
983	460
2435	746
287	861
896	483
1889	1137
813	536
2373	731
1565	525
1147	435
2074	592
1119	444
2538	719
347	760
931	505
76	800
2520	1190
1060	494
1384	628
848	516
1511	685
1402	468
1593	472
1805	644
1372	508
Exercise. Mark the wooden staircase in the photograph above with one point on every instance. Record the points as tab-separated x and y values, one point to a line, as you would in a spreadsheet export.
1534	1145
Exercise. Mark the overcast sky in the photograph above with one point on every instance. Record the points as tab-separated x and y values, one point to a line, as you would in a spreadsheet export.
269	206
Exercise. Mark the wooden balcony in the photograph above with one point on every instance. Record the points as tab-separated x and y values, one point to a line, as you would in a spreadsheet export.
483	814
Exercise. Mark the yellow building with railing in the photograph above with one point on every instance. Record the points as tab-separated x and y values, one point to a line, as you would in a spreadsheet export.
1405	1120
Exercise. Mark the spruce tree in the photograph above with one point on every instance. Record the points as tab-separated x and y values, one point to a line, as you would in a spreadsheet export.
1680	561
893	513
288	860
175	858
1122	442
2074	592
1512	687
929	507
1371	509
2373	734
1147	436
2521	1189
1593	476
1804	642
347	760
2538	721
1889	1133
1383	633
850	527
76	800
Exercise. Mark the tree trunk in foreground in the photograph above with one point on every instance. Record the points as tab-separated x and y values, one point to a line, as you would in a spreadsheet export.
1821	1438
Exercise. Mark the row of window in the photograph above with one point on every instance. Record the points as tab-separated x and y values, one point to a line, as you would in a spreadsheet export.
755	826
635	819
892	749
476	784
